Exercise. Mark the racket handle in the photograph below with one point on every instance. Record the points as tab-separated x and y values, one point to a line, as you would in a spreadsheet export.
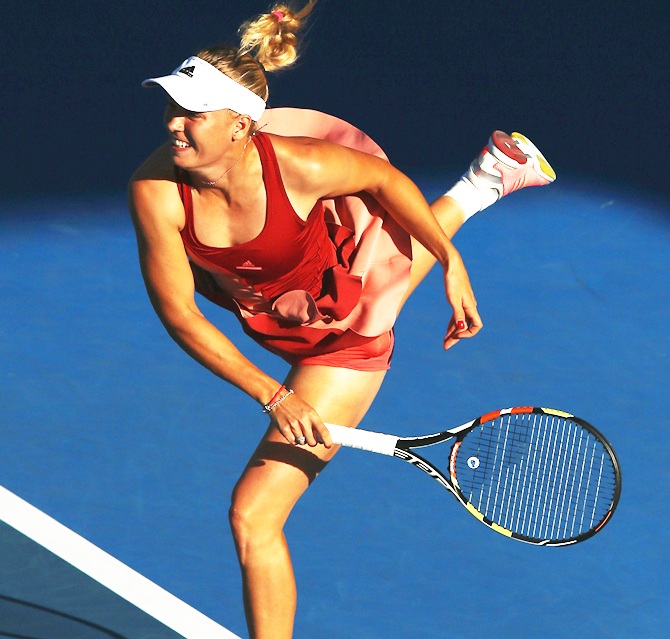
363	439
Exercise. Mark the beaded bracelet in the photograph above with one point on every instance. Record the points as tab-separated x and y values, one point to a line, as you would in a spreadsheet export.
274	402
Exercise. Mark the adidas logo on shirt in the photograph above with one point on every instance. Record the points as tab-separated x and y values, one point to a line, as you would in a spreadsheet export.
249	266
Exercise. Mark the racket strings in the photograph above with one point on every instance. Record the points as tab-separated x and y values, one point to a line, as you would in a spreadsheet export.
539	476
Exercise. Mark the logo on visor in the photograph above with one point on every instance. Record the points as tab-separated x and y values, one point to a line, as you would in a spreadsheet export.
187	71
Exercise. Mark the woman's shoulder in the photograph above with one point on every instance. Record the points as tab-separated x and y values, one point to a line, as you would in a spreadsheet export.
153	192
312	164
300	153
157	167
301	161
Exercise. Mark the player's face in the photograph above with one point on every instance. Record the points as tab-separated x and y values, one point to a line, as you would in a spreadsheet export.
197	140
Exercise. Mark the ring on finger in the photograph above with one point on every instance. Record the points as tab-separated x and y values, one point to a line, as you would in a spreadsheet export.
300	441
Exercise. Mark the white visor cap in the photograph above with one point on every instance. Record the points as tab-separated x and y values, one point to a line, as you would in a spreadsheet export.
196	85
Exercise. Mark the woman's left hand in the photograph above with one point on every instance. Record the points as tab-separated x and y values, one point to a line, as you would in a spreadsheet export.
465	321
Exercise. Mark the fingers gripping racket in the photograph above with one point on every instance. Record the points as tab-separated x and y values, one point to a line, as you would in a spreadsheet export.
536	475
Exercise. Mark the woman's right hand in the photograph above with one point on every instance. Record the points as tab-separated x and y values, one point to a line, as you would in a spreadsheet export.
294	418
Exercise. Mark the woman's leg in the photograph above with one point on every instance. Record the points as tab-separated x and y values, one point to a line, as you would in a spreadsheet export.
273	481
506	164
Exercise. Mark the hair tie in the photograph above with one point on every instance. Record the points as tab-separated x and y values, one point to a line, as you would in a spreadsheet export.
279	15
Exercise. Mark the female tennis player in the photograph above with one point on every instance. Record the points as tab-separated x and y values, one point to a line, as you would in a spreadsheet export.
297	223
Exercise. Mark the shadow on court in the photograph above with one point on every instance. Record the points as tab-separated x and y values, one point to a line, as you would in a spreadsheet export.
51	599
112	431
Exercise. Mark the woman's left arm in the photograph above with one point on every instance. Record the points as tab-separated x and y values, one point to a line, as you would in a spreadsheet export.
320	169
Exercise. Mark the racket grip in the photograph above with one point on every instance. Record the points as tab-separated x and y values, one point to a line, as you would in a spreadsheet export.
363	439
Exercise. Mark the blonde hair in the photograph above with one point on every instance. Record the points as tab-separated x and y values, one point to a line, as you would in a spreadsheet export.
267	43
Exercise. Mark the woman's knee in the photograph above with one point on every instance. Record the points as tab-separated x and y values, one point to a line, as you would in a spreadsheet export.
250	530
255	523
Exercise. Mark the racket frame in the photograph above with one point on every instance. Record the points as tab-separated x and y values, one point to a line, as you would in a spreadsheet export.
404	448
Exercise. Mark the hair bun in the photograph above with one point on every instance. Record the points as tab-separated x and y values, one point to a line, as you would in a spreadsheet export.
271	37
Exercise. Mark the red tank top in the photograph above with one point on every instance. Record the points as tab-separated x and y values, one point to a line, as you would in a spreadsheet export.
308	289
288	254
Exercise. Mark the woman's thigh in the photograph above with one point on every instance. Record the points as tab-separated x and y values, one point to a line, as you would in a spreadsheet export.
278	472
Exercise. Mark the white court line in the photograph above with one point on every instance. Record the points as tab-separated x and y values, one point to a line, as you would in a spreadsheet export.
107	570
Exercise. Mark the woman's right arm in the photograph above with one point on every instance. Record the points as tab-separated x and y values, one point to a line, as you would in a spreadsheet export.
158	215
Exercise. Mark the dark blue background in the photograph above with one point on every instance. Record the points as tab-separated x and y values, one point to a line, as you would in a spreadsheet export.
587	81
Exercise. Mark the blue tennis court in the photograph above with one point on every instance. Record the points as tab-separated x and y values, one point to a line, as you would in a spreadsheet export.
115	433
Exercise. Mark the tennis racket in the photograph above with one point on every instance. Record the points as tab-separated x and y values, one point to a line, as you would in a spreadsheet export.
537	475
